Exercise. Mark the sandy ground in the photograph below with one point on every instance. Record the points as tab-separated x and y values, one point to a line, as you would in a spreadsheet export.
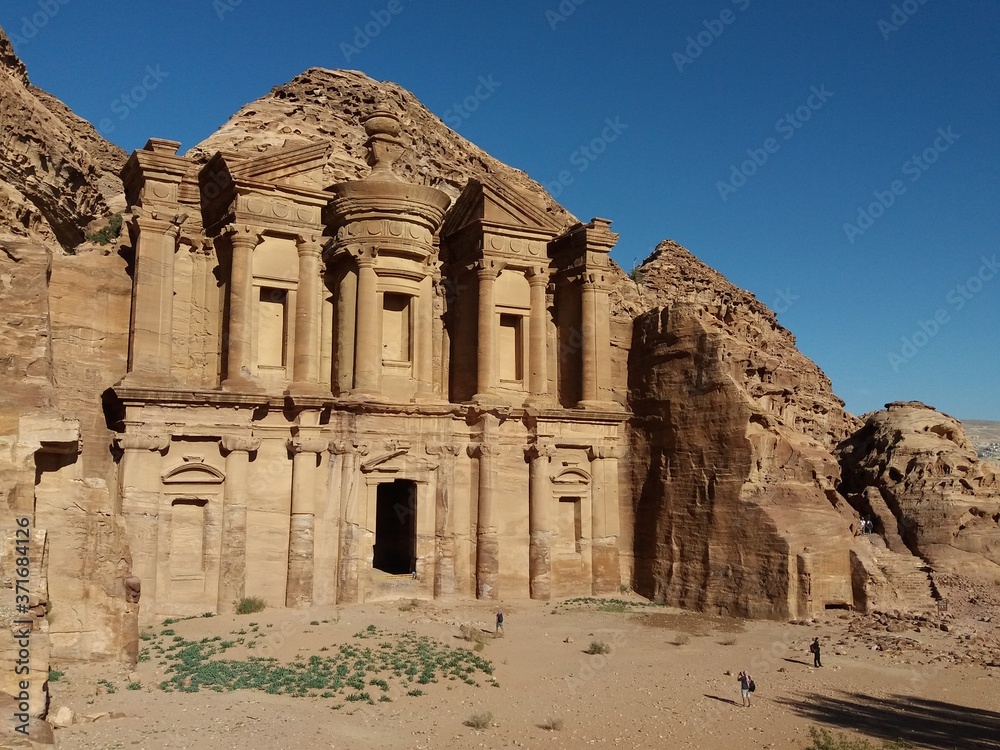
668	681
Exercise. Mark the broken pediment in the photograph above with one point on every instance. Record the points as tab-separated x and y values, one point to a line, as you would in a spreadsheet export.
494	202
193	473
296	166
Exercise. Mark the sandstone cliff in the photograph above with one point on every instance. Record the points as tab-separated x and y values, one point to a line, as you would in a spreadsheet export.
57	175
913	469
735	486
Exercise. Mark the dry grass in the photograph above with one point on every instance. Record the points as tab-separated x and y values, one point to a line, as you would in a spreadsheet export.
482	720
598	647
552	724
681	639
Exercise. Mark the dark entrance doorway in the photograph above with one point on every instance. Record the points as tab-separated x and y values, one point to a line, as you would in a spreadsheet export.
396	527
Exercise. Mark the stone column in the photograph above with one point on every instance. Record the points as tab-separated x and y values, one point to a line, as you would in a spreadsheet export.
444	520
351	534
424	344
539	521
139	503
487	544
307	317
302	524
605	519
346	313
232	572
486	339
150	345
589	351
368	341
538	356
240	310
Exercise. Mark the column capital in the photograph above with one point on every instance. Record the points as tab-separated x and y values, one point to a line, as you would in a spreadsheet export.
365	255
539	450
605	450
482	450
138	442
309	245
538	275
487	269
300	444
443	449
354	447
244	443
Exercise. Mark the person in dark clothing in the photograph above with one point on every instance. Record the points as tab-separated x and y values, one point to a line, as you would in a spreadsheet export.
814	647
499	623
746	687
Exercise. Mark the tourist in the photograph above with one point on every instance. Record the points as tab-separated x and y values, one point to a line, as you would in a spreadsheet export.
499	622
745	681
814	647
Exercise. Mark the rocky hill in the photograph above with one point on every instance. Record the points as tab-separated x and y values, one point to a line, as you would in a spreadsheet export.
57	175
914	470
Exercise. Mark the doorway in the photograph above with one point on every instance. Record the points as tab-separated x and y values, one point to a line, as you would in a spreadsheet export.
395	527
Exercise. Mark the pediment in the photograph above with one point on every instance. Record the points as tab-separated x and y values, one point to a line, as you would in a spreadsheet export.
193	473
494	201
297	166
571	475
398	462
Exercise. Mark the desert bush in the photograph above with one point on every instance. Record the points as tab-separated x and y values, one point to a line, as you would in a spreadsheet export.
552	724
728	642
109	232
250	604
483	720
598	647
134	686
822	739
406	606
680	639
55	675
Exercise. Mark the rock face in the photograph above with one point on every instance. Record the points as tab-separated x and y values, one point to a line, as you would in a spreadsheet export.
57	175
735	487
913	469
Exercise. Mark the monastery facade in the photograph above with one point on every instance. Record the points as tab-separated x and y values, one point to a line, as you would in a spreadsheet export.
364	391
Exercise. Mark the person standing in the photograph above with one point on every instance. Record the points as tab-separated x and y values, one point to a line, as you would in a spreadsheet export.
499	622
745	681
814	647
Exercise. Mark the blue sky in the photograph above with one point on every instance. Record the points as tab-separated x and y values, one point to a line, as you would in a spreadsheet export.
838	159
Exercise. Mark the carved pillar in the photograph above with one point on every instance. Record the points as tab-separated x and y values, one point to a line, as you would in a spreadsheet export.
139	504
605	519
444	520
589	351
150	343
302	524
346	312
424	344
539	520
232	573
307	316
538	356
240	310
351	533
368	341
486	346
487	544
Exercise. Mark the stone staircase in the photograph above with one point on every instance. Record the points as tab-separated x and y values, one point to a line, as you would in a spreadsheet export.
909	577
393	586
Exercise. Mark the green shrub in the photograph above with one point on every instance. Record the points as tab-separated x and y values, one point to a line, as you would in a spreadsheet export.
107	686
598	647
109	232
250	604
135	686
55	675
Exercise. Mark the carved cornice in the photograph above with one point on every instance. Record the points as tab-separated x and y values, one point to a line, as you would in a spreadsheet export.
245	443
137	442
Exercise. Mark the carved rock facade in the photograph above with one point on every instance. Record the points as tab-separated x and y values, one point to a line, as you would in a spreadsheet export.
360	392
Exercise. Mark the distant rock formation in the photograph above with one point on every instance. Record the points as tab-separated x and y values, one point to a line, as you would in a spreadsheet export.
57	175
913	469
735	487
